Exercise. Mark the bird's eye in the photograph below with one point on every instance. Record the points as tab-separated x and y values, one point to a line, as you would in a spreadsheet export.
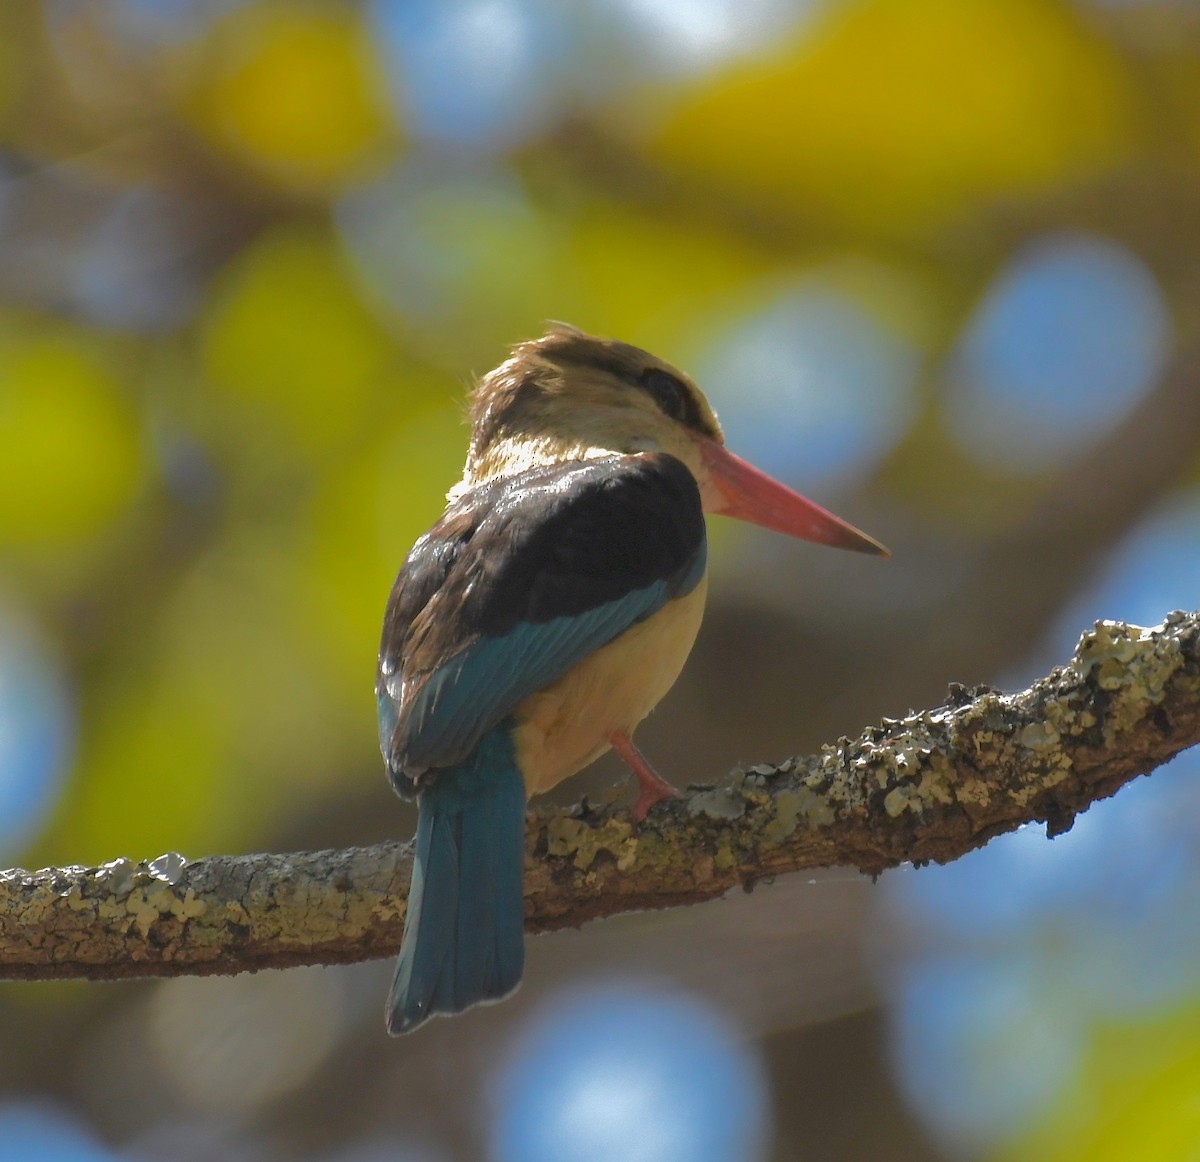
666	391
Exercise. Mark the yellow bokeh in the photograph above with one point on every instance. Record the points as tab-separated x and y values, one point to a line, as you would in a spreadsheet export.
897	114
288	338
1135	1099
490	267
70	441
221	717
365	515
294	91
151	775
654	282
475	269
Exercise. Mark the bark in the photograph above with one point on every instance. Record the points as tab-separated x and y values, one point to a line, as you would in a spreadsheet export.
932	786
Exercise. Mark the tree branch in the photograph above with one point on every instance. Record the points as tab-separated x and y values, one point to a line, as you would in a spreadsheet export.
932	786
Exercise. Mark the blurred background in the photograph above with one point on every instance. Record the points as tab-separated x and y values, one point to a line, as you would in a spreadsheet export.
937	264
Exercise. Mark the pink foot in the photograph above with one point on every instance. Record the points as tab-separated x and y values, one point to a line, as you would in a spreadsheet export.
652	787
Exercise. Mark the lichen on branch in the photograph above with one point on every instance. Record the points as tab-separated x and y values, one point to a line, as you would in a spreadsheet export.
931	786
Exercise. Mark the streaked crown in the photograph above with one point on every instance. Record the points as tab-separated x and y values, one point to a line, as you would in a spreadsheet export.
570	395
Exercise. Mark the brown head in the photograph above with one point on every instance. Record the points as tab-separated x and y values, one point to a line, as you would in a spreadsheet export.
569	395
572	396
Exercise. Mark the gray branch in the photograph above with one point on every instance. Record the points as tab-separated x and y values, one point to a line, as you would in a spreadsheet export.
932	786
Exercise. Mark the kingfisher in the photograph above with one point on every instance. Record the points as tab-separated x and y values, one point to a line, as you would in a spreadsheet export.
539	621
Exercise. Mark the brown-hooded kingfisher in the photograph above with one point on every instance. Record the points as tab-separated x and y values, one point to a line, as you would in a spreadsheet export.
539	621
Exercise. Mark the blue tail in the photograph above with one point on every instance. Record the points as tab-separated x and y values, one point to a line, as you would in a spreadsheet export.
464	933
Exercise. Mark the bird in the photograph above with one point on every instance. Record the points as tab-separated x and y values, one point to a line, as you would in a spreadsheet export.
539	621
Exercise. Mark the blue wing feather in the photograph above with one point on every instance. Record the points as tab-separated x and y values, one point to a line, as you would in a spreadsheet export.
465	696
518	582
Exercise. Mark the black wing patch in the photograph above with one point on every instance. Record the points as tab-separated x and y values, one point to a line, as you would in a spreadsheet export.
519	580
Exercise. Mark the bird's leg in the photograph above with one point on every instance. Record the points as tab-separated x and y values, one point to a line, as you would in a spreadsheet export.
652	787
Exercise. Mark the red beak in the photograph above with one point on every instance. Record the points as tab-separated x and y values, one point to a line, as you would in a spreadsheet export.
751	495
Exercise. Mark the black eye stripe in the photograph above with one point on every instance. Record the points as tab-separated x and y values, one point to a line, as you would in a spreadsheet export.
666	391
628	365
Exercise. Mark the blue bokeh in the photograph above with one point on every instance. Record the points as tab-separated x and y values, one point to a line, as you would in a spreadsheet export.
437	245
1017	949
473	74
40	1133
37	727
483	75
1065	342
977	1044
133	271
643	43
811	388
1012	953
628	1074
1153	571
